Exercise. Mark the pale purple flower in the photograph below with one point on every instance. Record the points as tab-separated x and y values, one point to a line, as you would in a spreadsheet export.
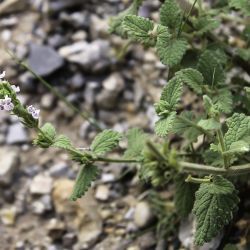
15	88
33	111
36	113
2	75
6	104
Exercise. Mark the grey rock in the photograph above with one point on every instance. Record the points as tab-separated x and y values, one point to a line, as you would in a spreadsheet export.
48	101
42	205
147	241
16	134
59	169
44	60
112	87
76	19
56	229
91	56
77	81
69	240
41	184
143	214
9	162
56	41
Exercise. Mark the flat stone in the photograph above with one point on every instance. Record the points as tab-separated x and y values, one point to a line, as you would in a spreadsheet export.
9	162
102	192
44	60
143	214
41	184
16	134
91	56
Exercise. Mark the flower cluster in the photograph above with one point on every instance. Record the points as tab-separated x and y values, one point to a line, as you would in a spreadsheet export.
33	111
7	102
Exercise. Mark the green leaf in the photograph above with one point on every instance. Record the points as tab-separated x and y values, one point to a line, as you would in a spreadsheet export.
223	101
86	175
238	128
209	124
170	14
205	24
193	78
211	68
183	126
115	24
184	196
172	92
214	206
248	92
105	142
238	147
244	54
62	142
46	136
140	29
171	50
243	5
165	125
136	142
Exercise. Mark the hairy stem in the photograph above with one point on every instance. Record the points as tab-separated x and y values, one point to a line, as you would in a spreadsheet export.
195	126
155	150
223	147
104	159
85	115
198	180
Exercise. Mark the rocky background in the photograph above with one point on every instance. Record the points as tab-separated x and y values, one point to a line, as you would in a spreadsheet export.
67	42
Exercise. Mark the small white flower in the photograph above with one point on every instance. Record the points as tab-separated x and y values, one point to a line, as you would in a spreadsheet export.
2	75
31	109
6	104
15	88
36	113
9	106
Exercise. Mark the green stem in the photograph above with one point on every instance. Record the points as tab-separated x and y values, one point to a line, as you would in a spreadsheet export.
223	147
85	115
184	20
155	150
104	159
198	180
195	126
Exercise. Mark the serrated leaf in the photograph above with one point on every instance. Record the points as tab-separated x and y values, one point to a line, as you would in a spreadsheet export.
223	101
170	14
136	142
209	124
86	175
46	136
205	24
171	50
62	142
115	24
193	78
238	128
243	5
211	68
214	206
165	125
172	92
105	142
184	196
139	29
